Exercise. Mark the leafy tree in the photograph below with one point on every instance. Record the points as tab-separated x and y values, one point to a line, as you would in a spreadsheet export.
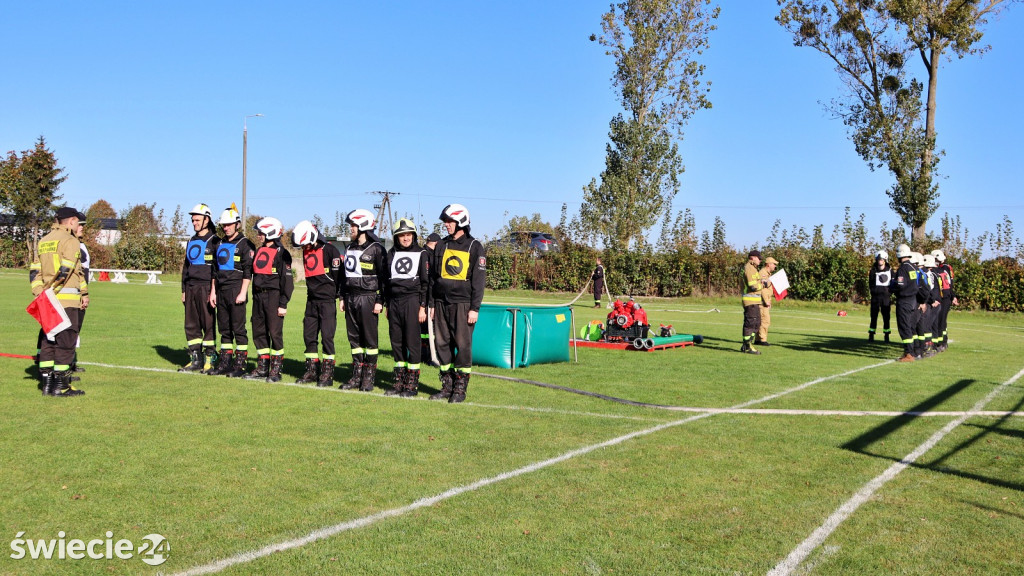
655	44
28	189
533	223
872	44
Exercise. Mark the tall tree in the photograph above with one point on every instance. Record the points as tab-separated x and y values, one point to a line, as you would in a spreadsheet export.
872	44
28	189
655	44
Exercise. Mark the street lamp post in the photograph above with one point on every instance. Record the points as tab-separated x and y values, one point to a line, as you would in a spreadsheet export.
245	146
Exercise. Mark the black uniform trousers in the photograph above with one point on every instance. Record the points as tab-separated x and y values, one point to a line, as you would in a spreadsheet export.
940	325
404	325
880	303
598	290
751	321
907	316
60	353
452	329
231	316
361	322
320	321
199	324
267	326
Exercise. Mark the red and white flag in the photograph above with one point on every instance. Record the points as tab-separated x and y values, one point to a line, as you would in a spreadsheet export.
780	284
49	313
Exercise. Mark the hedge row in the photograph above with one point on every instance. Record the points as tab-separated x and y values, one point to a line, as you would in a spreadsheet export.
828	274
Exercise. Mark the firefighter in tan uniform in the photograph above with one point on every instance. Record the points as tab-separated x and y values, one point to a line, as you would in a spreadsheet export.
767	297
752	287
59	266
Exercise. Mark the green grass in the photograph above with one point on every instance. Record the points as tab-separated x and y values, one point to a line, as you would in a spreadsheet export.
222	466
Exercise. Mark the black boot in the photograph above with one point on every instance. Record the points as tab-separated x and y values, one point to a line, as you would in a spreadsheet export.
446	386
886	336
398	382
326	373
276	363
412	384
871	336
357	376
62	385
459	387
262	368
195	363
209	360
238	370
44	377
224	363
369	378
311	372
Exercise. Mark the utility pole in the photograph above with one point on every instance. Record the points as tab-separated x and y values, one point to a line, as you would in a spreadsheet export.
384	209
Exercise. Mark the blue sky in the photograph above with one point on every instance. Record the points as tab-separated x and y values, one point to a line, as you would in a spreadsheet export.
501	106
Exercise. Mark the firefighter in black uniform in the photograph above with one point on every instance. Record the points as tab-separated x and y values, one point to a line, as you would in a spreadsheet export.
879	280
425	348
196	287
598	279
86	264
923	331
934	303
272	286
406	301
234	274
945	275
458	275
362	297
908	309
321	263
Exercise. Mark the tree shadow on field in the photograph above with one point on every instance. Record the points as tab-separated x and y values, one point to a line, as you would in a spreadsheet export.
863	444
843	345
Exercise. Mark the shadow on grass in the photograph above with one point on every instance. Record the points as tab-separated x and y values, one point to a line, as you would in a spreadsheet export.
176	356
862	444
843	345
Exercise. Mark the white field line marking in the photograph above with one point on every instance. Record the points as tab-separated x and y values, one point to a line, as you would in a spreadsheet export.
802	551
697	409
329	531
397	399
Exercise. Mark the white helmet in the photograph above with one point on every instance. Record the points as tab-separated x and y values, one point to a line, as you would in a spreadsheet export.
928	261
201	210
230	216
361	218
916	258
940	256
305	234
455	213
882	255
269	227
903	251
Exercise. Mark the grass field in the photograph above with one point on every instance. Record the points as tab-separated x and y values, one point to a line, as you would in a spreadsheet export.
817	461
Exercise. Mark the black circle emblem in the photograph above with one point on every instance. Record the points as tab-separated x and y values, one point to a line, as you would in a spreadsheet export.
453	266
194	251
312	262
223	256
262	259
350	263
403	265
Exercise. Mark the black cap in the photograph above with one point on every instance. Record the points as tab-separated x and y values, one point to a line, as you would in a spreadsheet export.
754	253
434	237
81	218
66	212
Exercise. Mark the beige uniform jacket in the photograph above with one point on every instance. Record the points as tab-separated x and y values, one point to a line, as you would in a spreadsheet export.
60	256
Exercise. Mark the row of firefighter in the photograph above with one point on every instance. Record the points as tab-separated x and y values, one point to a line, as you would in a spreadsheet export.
430	293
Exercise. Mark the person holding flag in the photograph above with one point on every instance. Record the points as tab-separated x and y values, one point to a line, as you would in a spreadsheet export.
61	290
767	295
752	286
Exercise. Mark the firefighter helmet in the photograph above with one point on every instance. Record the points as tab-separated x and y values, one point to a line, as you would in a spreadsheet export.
928	261
269	227
361	218
230	216
305	234
915	258
903	251
201	210
404	225
456	213
882	255
940	256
